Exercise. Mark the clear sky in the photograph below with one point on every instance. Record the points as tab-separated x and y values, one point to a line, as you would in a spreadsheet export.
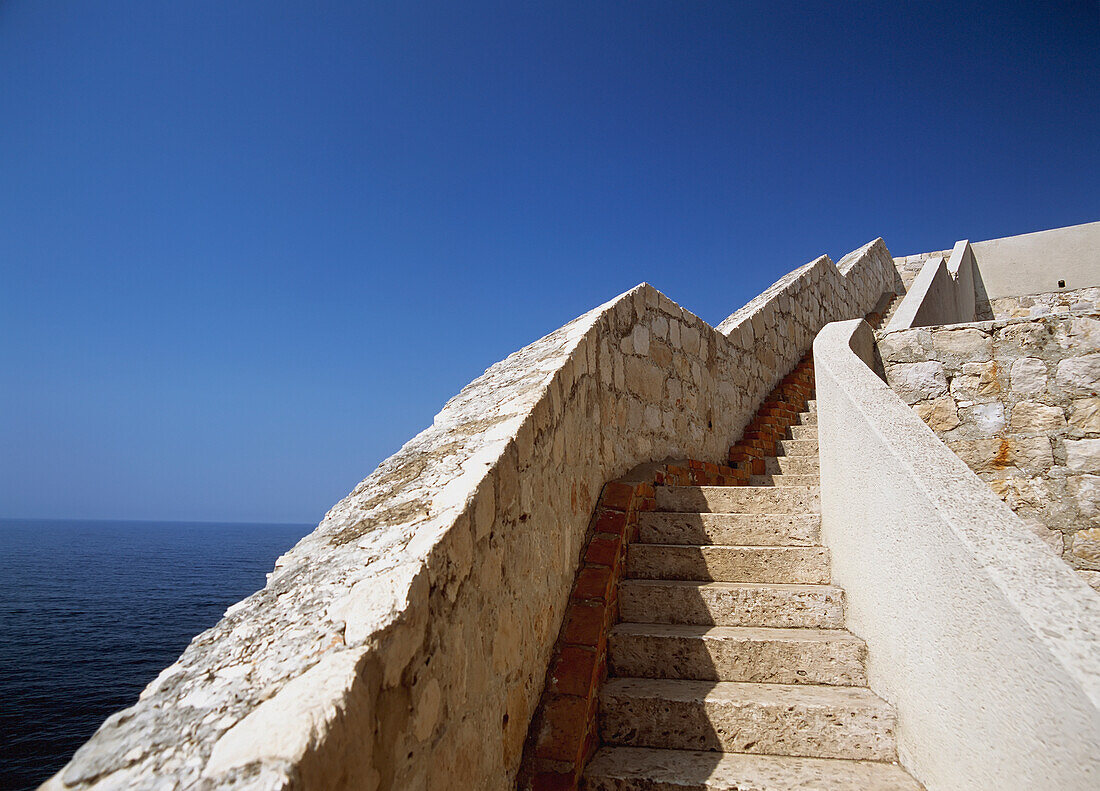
249	248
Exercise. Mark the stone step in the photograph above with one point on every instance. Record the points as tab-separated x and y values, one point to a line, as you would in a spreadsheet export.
724	563
731	716
786	480
811	406
647	769
798	447
807	418
791	465
739	499
803	432
656	527
737	653
731	603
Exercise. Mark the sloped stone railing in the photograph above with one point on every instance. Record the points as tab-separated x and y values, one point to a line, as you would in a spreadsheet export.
942	292
403	644
987	643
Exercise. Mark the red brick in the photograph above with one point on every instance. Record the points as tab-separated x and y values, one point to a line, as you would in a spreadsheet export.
610	521
585	623
617	496
593	583
603	550
574	672
553	781
644	490
564	728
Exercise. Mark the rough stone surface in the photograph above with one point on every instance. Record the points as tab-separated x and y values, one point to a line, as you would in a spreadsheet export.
727	653
1021	409
774	719
732	603
643	769
804	565
1082	300
379	654
740	529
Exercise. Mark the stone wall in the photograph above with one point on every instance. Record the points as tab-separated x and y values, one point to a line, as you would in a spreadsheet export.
1081	300
1017	400
403	644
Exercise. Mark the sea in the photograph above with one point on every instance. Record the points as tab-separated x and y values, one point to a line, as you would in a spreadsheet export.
91	612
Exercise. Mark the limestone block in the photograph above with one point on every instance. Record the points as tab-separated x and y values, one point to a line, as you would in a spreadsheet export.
1084	415
983	419
1021	492
1079	376
1032	454
1024	339
1085	491
1085	550
1081	332
967	344
918	381
1028	376
1083	455
977	382
1031	417
905	346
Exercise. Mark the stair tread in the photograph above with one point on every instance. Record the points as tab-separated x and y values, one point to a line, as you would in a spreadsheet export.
686	690
652	769
811	720
699	529
797	587
802	634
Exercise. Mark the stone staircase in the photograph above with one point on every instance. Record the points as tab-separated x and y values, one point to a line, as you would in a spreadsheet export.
731	669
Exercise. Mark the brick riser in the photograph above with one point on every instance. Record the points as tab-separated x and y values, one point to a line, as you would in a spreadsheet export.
773	420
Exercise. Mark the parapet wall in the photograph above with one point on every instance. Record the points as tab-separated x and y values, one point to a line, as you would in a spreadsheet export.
1017	401
404	642
986	643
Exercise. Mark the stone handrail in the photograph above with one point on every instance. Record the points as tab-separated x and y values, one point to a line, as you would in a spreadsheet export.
988	645
942	292
404	642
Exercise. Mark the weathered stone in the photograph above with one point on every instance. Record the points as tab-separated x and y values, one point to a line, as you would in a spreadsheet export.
730	653
1085	549
968	344
1031	417
1079	376
1084	415
1028	376
1085	491
915	382
979	381
983	419
905	346
940	414
1032	454
804	565
783	719
642	769
1083	455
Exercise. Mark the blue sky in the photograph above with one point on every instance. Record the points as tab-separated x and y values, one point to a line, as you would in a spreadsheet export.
248	249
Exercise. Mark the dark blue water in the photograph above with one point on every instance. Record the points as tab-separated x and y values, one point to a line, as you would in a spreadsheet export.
90	612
